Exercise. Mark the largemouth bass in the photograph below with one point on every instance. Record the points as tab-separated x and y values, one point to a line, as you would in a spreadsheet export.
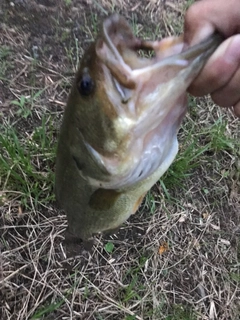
119	130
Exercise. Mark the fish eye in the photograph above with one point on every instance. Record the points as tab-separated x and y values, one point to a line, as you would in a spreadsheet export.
85	85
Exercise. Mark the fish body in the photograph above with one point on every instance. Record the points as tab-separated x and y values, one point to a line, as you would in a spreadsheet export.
119	130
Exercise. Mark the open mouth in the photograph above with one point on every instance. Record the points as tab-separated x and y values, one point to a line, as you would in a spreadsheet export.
149	95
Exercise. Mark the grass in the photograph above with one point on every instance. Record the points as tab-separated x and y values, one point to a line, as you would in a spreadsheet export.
47	310
213	140
27	161
178	257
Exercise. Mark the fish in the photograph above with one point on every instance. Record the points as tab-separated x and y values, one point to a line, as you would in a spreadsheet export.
119	130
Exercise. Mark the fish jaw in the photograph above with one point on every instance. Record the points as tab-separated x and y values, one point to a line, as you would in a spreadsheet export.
148	97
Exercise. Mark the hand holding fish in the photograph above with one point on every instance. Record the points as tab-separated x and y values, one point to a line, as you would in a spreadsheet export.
221	74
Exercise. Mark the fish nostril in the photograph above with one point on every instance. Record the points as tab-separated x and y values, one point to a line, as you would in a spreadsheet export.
85	85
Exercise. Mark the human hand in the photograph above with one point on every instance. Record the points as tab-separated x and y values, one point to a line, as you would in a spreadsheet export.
221	75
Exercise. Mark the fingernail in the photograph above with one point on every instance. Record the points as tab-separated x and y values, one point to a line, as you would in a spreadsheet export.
229	50
203	33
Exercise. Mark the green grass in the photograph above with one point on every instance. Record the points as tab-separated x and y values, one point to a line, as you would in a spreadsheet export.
187	160
27	162
180	312
150	202
68	2
135	287
48	309
187	4
26	103
174	312
197	147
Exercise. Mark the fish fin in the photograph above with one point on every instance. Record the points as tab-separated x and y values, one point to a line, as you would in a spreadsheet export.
103	199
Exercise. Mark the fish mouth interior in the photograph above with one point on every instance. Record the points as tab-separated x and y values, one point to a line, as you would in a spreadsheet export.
119	50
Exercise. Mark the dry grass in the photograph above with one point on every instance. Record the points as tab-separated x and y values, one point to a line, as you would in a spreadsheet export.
179	256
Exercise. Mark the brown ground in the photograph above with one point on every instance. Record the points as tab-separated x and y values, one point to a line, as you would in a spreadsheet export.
196	224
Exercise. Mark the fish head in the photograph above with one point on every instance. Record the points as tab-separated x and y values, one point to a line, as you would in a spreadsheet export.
128	101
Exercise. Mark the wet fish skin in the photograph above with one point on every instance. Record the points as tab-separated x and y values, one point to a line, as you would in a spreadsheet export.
119	130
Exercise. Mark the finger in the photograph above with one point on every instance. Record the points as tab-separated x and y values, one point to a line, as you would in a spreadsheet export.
219	69
229	95
204	17
197	29
236	109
